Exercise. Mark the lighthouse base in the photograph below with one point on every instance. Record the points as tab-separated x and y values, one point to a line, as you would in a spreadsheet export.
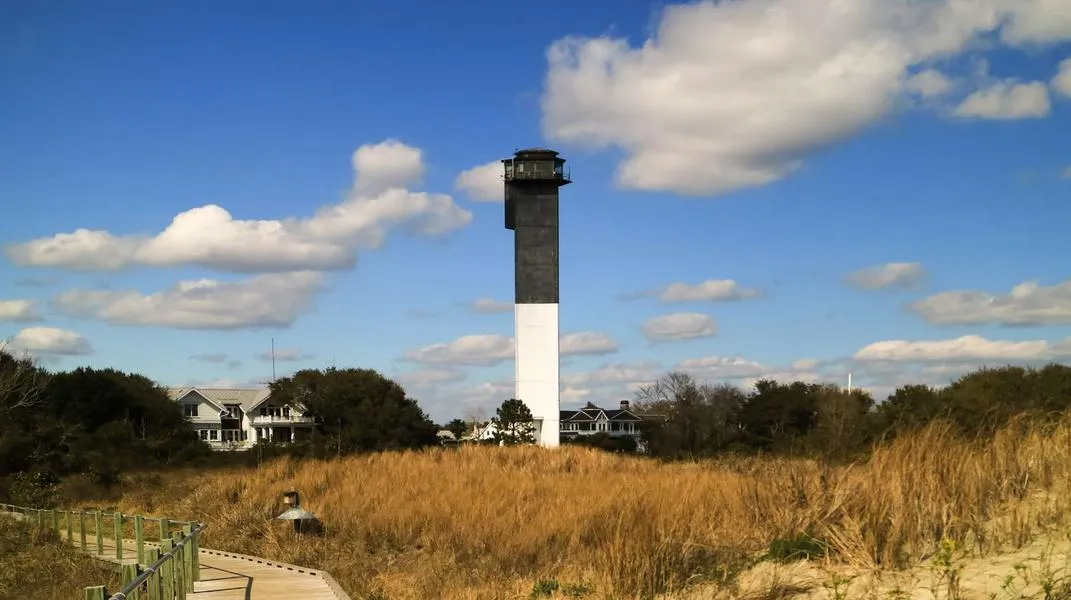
537	364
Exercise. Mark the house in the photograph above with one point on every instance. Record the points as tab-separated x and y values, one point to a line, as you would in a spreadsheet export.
236	419
591	419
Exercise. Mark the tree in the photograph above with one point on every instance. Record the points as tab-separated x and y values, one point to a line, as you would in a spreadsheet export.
94	421
457	427
357	410
513	423
690	419
21	383
843	420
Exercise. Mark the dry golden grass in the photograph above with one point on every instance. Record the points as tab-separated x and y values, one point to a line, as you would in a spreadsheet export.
36	564
491	522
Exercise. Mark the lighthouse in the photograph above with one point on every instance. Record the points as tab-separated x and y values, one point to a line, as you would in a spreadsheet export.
532	179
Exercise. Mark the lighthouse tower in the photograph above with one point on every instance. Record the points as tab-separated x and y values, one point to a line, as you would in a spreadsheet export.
532	180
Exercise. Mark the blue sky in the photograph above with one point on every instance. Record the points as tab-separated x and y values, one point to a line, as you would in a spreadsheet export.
770	146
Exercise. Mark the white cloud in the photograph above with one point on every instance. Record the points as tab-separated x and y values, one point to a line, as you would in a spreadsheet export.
388	164
968	348
210	357
745	372
19	311
679	326
1066	173
423	378
50	341
1062	81
483	183
723	367
929	83
587	342
1026	304
706	291
889	275
275	299
728	95
492	349
613	374
211	237
285	355
477	349
1007	100
490	306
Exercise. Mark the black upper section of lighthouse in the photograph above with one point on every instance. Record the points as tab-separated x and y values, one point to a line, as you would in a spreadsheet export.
532	180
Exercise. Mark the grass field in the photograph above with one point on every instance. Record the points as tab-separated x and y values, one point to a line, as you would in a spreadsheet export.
38	565
516	522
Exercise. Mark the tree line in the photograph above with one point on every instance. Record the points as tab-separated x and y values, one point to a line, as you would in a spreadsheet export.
693	419
100	423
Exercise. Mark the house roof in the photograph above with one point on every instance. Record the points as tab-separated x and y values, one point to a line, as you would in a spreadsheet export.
592	413
248	398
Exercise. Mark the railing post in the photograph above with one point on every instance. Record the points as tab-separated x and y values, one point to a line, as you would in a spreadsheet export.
40	519
139	537
195	552
167	571
187	555
96	592
118	518
130	573
153	583
55	522
82	527
98	519
180	564
67	514
165	525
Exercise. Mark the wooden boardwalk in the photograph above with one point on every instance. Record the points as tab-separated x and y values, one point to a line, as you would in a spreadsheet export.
230	576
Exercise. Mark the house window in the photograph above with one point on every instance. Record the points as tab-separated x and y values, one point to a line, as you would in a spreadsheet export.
286	411
189	410
204	434
213	434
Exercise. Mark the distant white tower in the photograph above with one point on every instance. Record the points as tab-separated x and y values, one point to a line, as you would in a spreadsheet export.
532	180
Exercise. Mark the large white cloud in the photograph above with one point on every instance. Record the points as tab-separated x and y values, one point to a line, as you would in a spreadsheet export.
728	95
19	310
679	326
1062	81
490	306
965	349
492	349
211	237
483	183
271	300
889	275
1007	100
50	341
586	342
1026	304
711	290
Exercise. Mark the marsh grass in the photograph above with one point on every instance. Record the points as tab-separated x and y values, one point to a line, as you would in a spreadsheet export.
483	522
36	564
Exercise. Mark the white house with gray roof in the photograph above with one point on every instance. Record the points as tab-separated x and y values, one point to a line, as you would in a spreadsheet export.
235	419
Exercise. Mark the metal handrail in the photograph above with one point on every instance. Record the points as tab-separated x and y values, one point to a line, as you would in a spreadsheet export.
153	568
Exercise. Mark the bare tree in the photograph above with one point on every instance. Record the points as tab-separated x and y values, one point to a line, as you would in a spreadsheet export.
21	382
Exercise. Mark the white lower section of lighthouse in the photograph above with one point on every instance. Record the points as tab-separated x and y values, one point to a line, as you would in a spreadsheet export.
536	347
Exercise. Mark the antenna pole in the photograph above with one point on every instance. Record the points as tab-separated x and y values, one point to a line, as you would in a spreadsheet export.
273	360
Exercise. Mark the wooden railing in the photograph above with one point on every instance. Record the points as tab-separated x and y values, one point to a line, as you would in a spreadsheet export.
165	567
